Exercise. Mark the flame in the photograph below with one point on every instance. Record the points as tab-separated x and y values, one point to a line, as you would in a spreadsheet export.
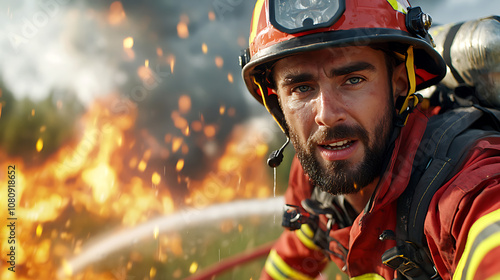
156	232
116	13
182	27
179	122
171	62
230	78
209	131
156	178
196	126
204	48
39	144
128	43
68	270
159	51
142	166
211	16
152	272
184	104
219	62
193	267
185	132
107	174
39	230
179	165
242	42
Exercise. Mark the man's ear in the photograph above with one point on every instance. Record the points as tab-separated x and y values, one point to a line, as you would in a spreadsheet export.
400	81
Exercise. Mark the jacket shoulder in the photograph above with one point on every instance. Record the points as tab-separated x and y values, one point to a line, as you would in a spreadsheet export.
464	199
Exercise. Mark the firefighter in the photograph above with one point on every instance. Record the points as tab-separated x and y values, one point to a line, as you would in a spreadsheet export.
340	78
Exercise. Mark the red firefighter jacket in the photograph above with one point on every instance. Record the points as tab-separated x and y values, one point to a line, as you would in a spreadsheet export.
462	226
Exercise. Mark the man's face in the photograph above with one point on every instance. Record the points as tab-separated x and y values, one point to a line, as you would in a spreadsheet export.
338	104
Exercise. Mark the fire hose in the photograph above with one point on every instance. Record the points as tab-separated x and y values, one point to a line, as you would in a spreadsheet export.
103	246
232	262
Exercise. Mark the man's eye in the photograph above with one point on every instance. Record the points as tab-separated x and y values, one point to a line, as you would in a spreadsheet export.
303	88
354	80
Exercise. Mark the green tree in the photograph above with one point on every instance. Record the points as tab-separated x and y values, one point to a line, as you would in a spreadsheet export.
23	122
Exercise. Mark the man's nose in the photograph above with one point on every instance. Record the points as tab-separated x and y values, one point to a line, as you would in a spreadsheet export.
330	109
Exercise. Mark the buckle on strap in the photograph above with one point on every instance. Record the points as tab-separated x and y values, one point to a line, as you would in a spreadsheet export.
400	258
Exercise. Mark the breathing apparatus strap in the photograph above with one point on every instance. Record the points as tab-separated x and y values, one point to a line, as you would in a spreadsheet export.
411	100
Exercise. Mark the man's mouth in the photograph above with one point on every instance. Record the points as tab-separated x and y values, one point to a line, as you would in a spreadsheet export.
339	145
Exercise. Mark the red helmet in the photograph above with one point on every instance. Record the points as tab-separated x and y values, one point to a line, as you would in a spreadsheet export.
281	28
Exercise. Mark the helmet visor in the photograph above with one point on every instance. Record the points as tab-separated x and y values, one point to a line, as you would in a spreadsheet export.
293	16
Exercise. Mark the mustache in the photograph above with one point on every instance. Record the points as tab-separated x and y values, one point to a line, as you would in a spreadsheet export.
339	132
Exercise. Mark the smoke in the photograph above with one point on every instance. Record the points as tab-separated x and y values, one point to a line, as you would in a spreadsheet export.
449	11
51	46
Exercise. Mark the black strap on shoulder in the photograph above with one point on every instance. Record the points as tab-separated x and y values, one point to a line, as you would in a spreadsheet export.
444	147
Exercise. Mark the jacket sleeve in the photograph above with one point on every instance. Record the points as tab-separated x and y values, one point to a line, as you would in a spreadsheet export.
294	255
469	212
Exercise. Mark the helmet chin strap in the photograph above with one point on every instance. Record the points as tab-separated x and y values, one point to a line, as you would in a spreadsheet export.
412	99
276	157
264	95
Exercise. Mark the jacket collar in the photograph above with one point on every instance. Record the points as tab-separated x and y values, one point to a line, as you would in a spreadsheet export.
397	175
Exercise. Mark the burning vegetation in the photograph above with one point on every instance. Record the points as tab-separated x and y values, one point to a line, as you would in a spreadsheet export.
120	168
105	180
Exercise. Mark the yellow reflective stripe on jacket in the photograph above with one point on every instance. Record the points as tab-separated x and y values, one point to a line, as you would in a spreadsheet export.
494	277
368	276
278	269
483	236
306	235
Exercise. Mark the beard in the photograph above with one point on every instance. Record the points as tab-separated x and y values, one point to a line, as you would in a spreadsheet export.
342	176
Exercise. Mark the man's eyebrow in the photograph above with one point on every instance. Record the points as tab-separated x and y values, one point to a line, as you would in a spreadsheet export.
357	66
296	78
344	70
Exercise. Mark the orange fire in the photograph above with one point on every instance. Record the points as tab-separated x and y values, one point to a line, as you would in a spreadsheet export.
106	177
116	13
182	27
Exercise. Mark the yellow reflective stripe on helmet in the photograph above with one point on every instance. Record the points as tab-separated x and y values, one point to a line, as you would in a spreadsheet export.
483	236
368	276
306	235
410	70
397	6
255	19
278	269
